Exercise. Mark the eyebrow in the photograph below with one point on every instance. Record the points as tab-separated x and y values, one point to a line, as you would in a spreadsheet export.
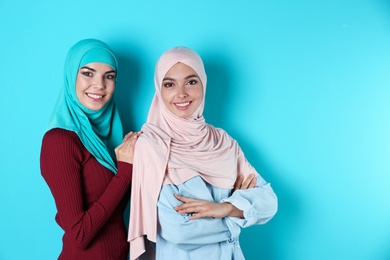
188	77
88	68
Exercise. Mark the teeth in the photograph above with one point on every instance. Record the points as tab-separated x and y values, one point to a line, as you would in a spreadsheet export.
94	96
182	104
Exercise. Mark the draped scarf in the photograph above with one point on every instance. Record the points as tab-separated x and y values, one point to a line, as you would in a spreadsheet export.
100	131
172	150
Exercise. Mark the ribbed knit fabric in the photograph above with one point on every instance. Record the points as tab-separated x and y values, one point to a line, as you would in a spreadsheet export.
90	199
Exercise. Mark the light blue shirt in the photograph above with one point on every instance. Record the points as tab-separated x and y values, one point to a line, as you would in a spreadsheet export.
209	238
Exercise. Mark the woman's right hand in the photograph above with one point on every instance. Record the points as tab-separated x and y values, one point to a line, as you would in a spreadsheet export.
125	151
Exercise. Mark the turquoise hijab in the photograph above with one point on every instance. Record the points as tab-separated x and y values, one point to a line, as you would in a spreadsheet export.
100	131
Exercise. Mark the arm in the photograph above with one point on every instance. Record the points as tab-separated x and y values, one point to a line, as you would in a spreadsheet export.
247	206
202	208
259	204
178	228
61	159
252	202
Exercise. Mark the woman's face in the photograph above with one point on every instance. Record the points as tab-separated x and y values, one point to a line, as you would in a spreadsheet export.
95	85
182	90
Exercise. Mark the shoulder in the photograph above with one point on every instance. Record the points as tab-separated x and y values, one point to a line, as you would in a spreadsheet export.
153	136
152	144
149	143
222	134
58	138
59	134
61	147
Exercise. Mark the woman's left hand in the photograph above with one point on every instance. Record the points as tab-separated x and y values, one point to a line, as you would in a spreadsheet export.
202	208
242	184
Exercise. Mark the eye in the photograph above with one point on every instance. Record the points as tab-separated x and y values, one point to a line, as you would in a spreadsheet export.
110	76
86	73
168	84
192	82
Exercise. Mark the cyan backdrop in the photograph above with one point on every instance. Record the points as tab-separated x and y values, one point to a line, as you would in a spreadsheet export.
302	85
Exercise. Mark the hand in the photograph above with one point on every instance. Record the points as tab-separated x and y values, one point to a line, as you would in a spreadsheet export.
250	182
202	208
125	151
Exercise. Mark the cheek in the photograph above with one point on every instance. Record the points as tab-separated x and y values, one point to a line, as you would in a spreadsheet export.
166	96
111	88
198	93
80	86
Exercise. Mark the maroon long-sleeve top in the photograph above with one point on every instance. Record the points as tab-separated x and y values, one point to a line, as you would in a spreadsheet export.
90	199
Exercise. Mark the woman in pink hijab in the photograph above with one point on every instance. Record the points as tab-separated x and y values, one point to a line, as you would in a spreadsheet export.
188	194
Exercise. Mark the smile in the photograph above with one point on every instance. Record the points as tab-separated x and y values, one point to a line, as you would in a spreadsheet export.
93	96
183	106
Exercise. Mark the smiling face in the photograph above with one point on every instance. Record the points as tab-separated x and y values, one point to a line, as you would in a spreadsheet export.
95	85
182	90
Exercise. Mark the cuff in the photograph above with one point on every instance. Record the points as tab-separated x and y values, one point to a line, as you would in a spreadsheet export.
250	214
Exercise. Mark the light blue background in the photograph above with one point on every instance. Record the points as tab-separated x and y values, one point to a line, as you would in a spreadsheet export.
302	85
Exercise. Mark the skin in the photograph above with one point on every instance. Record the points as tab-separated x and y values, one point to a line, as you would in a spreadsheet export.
95	85
125	151
182	90
202	209
182	94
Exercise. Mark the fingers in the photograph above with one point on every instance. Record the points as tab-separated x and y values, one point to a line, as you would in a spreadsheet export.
237	184
195	209
131	134
195	216
128	135
125	151
130	139
247	182
253	182
184	199
188	208
189	205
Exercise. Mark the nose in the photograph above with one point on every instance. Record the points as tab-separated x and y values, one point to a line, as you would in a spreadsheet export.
182	92
99	83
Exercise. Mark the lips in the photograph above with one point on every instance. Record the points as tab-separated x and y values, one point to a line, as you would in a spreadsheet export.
183	105
94	96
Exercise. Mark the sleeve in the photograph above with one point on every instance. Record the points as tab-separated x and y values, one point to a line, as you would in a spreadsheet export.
61	161
178	229
259	204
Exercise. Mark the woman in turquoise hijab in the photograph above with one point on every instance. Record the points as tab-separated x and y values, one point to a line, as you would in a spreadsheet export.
85	162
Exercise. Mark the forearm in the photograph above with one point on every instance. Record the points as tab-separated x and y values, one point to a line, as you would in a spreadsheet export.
179	229
258	204
190	234
233	211
81	223
117	188
62	163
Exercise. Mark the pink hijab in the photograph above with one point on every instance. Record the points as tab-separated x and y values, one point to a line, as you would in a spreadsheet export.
172	150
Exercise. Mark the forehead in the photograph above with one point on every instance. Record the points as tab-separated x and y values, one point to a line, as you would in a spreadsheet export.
180	70
98	66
